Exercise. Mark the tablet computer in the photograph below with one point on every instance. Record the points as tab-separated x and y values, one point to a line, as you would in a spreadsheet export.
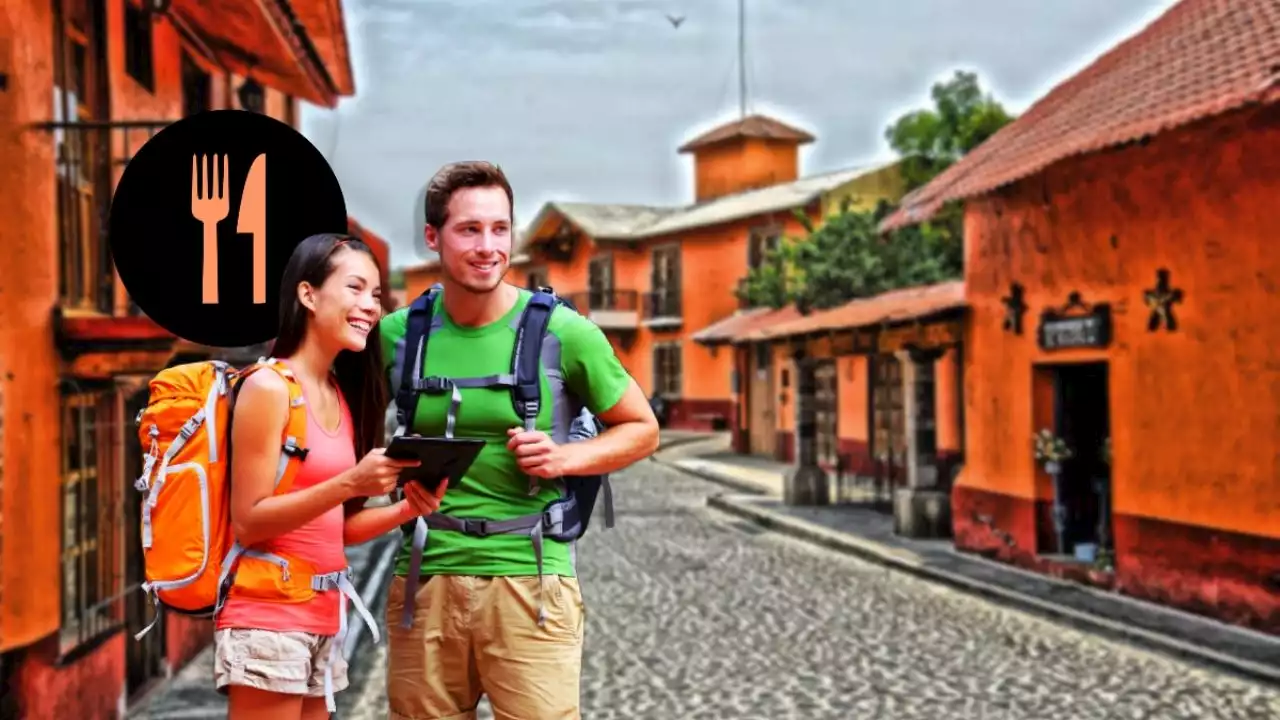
442	458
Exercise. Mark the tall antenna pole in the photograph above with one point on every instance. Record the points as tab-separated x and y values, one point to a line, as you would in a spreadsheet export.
742	58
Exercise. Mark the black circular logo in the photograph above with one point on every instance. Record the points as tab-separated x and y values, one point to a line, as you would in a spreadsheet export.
205	218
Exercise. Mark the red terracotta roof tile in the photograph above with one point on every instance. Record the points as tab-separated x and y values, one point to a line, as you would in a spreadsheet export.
753	126
893	306
1200	58
725	330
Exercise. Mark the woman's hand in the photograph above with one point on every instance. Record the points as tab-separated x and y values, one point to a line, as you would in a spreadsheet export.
377	474
422	502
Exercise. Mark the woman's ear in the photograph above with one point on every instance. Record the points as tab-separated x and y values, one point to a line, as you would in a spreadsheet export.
307	295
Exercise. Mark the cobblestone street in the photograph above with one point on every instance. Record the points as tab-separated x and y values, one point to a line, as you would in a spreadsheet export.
692	614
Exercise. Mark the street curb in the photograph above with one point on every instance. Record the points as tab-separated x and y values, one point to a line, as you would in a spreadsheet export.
680	441
376	578
742	486
883	555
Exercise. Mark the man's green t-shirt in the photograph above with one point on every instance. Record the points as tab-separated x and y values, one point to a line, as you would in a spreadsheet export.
494	488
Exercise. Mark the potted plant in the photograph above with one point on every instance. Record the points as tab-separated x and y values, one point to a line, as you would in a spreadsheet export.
1051	451
1105	560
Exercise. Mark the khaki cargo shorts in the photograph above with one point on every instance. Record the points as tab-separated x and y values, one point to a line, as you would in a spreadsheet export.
290	663
480	635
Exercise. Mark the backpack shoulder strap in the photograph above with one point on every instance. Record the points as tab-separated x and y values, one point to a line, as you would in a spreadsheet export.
526	391
414	356
295	430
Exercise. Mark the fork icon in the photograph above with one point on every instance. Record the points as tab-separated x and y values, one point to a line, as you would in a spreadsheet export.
209	203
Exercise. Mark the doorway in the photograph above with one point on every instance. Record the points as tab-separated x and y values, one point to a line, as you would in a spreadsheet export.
197	87
761	399
145	658
888	422
600	283
1082	418
826	408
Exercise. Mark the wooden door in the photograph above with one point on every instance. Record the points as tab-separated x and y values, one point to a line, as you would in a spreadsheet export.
84	173
826	410
664	280
600	282
889	439
762	402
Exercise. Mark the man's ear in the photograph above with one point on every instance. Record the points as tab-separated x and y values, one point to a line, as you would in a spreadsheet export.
433	239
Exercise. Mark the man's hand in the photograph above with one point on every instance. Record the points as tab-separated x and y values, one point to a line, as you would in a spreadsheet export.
537	454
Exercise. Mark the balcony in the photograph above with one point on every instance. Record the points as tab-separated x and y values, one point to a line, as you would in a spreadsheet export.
663	310
609	309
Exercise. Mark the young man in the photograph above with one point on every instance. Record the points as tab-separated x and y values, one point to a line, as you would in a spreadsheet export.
483	618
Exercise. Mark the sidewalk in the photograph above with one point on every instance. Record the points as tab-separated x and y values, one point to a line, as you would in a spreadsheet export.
869	534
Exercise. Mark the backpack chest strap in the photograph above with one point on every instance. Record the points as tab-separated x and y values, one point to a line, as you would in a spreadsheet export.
437	385
552	521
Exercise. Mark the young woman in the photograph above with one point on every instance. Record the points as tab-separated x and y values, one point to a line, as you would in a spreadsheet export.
277	659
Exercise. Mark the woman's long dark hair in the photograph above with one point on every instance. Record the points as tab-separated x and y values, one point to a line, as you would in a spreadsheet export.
359	374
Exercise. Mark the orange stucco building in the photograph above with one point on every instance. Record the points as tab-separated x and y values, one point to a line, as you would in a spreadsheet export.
652	277
1122	280
862	352
87	82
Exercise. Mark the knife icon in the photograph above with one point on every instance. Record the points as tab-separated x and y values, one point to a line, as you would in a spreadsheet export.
252	219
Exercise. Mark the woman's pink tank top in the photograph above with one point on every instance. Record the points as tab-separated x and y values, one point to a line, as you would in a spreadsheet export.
319	541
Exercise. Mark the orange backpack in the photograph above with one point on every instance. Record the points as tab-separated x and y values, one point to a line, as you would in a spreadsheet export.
192	560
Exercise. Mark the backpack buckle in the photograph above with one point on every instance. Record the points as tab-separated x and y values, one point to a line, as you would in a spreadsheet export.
479	528
552	519
433	384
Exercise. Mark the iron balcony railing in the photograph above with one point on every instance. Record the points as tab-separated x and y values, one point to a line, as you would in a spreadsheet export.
89	157
663	304
588	301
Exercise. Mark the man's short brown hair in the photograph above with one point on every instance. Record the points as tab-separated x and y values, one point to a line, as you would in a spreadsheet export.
455	176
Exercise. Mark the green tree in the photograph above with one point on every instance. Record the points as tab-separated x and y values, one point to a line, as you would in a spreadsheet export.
847	258
961	119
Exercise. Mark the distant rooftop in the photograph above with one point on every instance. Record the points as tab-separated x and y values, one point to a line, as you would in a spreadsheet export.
752	126
604	221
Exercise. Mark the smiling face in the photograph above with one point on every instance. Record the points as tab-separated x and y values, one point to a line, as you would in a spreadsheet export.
348	303
474	243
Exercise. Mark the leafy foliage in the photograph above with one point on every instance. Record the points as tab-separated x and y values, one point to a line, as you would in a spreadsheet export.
962	118
847	258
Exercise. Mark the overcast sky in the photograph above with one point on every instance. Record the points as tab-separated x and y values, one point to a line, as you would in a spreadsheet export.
587	100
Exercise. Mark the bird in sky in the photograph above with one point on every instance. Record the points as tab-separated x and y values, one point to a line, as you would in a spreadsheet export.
675	21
